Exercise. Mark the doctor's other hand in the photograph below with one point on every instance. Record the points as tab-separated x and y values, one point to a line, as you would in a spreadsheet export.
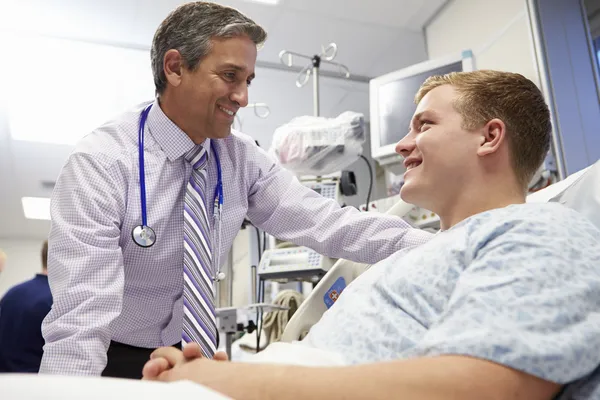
165	358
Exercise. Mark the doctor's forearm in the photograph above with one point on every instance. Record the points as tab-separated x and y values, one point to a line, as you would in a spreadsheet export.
295	213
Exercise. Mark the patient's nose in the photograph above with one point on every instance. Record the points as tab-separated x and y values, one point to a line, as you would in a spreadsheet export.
406	145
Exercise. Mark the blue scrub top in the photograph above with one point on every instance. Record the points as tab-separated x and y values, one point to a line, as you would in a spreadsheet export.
22	311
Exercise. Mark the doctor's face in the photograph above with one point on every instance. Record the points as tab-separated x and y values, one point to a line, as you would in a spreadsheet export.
218	87
439	153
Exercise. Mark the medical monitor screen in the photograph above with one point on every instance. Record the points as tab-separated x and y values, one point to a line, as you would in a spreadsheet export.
396	103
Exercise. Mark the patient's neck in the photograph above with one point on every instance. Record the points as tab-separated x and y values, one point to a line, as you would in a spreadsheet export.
476	199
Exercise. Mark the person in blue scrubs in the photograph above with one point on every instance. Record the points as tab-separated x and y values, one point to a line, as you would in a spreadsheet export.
22	311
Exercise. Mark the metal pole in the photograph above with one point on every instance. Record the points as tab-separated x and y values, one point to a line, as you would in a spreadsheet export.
230	279
316	90
542	64
316	62
217	293
254	259
253	285
228	343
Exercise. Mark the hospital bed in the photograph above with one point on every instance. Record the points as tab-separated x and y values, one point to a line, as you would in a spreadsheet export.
580	191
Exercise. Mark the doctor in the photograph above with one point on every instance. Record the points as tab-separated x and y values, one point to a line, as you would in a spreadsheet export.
147	205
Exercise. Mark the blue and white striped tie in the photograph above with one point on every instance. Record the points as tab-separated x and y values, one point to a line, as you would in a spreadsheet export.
199	318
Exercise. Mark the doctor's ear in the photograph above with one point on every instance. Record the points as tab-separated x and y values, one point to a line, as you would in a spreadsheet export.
173	66
492	137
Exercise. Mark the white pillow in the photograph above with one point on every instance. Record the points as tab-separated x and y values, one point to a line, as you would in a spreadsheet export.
579	191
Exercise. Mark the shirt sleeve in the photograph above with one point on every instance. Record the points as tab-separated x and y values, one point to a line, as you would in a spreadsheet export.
283	207
85	267
529	300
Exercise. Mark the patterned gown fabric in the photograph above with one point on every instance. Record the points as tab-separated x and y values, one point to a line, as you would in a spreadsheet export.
519	286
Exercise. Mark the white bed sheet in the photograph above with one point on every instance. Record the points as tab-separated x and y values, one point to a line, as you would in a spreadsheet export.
56	387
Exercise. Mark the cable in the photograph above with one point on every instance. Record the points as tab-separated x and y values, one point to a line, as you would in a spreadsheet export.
273	322
259	254
259	294
370	181
276	321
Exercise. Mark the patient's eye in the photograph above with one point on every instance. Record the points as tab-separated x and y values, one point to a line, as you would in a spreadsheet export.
424	123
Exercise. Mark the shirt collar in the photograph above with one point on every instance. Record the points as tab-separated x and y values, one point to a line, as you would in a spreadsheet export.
172	140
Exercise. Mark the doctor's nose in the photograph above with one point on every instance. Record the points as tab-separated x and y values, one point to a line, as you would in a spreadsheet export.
406	145
240	96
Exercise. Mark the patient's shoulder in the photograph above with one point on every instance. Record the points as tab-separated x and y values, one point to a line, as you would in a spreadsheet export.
536	235
533	221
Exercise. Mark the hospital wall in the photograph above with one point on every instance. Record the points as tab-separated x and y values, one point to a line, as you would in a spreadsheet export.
563	63
499	36
110	88
22	263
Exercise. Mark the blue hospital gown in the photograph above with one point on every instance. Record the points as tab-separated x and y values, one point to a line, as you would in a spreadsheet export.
519	286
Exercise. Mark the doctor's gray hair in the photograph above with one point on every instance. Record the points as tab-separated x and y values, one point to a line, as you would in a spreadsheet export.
189	29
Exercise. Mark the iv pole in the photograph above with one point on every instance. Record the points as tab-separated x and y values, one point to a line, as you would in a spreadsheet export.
326	56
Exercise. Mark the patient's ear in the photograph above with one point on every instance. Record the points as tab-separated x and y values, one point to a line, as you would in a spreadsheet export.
492	137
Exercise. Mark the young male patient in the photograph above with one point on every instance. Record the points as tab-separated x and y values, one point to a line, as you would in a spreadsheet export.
504	303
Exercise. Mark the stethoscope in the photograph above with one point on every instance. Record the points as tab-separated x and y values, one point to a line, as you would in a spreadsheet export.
143	235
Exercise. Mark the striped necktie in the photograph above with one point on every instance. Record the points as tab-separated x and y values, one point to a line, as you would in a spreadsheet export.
199	317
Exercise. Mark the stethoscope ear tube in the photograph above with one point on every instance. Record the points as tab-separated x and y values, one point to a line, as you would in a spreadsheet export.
142	173
143	235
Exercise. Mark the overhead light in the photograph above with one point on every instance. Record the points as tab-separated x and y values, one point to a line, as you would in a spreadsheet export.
271	2
70	103
36	207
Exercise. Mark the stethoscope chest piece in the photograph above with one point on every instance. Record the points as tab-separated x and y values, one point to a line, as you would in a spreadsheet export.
143	236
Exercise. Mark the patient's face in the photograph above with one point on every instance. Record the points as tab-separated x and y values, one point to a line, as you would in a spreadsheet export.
439	153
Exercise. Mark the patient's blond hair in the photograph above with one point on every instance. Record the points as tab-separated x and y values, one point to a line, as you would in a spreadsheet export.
512	98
